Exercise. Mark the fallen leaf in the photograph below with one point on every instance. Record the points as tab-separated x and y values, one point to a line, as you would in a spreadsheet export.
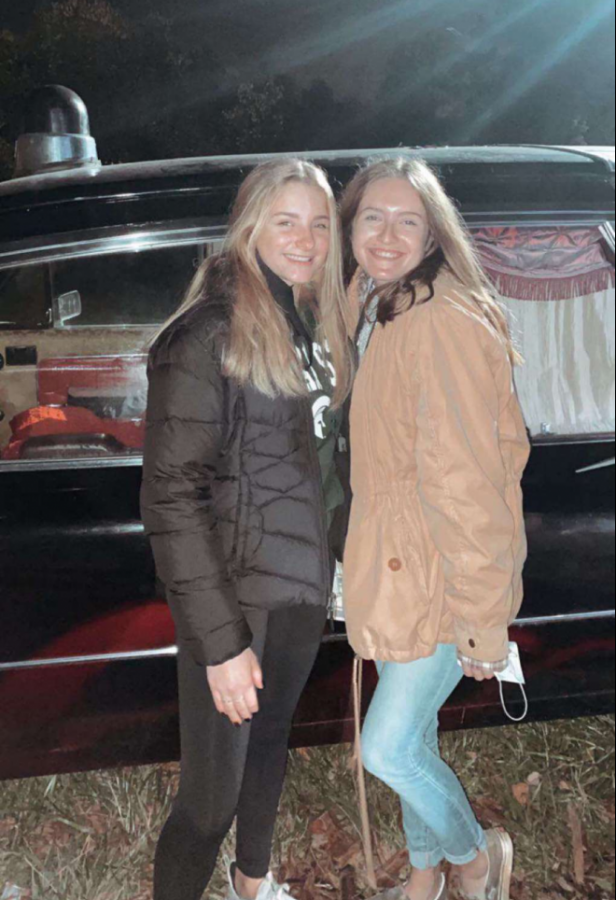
7	826
395	864
521	792
353	856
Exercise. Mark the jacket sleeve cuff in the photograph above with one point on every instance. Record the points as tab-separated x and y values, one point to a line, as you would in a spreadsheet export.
220	646
483	644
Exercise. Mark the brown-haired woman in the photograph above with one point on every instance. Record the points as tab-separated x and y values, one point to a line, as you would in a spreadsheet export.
246	386
436	545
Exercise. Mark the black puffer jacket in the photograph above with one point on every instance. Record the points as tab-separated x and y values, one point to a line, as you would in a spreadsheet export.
232	496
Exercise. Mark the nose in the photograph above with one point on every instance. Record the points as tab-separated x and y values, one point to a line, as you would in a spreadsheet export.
305	239
387	232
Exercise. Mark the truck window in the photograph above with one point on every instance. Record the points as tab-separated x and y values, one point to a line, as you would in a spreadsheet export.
557	285
128	289
24	298
77	391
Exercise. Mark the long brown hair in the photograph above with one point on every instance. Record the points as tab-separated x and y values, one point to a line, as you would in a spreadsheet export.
451	246
260	350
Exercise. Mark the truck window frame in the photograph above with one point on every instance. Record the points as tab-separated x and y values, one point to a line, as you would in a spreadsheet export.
96	244
211	237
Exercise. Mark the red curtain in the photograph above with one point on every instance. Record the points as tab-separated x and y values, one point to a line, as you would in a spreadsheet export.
545	263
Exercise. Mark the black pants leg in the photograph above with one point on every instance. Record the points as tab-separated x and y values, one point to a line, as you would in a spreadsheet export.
229	771
293	640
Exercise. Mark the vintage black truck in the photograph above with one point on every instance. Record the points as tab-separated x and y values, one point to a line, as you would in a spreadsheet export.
92	258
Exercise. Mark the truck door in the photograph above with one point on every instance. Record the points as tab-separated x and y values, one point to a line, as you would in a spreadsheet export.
557	284
84	675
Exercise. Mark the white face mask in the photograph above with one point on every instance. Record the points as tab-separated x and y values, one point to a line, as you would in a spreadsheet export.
513	674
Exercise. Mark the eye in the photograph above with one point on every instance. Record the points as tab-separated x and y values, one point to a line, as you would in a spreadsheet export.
410	222
285	223
324	226
371	217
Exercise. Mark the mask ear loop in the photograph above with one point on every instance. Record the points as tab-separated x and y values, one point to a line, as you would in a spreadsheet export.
504	704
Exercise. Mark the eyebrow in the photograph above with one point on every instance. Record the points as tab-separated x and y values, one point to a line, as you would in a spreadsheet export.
402	213
291	215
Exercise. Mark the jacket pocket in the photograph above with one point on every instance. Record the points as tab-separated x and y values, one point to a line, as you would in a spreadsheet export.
418	550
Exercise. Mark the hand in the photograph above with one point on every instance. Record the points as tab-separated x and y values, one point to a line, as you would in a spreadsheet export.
475	669
234	687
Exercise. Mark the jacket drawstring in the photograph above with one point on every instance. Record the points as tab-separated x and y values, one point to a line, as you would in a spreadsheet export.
358	669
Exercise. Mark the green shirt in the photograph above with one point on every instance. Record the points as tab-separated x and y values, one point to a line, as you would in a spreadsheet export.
320	377
321	380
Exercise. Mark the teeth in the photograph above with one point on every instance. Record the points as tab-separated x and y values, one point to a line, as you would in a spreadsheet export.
384	255
304	259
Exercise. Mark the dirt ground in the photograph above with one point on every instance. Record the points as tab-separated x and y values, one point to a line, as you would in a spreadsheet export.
92	836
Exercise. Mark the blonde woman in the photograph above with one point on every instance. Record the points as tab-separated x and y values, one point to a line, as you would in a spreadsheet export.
436	545
246	387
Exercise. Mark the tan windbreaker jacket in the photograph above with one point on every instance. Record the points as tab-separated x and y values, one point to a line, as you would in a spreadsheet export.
436	544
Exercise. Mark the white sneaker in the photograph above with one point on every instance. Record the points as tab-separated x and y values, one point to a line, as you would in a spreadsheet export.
399	893
500	869
269	890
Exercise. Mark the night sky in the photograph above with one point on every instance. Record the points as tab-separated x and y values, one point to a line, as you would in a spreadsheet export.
397	71
349	42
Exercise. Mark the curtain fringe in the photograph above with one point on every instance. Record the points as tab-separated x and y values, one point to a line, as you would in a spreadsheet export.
520	287
358	668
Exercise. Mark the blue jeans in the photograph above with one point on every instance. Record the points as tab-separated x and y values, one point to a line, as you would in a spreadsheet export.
400	746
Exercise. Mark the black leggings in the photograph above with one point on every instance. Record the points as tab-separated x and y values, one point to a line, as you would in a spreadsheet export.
229	771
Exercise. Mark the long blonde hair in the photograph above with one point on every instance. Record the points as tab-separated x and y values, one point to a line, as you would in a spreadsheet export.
451	247
260	350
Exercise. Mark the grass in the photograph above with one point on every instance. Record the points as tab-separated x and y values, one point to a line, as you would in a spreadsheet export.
92	836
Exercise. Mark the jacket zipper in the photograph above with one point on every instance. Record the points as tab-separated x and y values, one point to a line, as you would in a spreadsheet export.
314	457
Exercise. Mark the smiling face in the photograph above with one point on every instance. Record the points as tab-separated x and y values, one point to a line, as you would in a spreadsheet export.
391	235
294	241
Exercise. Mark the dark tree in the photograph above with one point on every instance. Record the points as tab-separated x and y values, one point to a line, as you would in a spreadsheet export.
189	79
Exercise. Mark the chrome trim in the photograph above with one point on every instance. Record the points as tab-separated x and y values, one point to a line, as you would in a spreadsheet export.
606	464
577	218
540	440
38	153
172	651
199	165
572	617
609	234
95	658
60	465
496	154
118	239
604	161
109	241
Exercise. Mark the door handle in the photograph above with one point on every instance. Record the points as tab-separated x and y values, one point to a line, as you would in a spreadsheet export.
606	464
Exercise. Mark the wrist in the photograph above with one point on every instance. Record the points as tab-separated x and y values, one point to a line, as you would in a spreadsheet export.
494	667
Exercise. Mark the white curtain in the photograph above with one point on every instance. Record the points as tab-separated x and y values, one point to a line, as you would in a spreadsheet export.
566	386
